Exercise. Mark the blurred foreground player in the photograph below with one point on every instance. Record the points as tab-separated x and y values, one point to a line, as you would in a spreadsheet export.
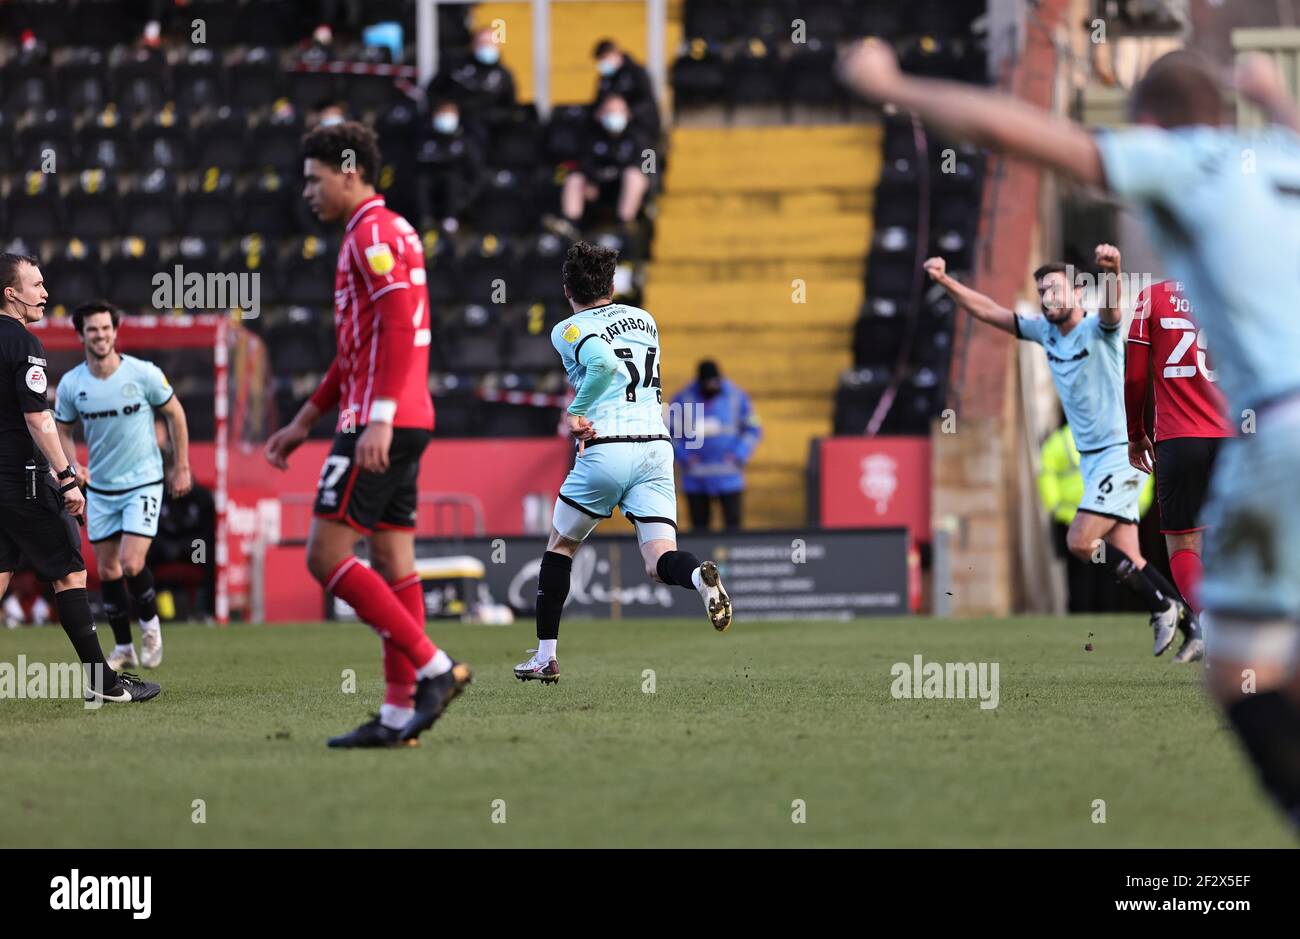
38	505
115	397
379	383
1230	233
1085	356
1166	355
625	456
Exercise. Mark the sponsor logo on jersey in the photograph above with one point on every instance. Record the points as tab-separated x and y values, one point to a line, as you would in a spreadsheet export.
36	379
130	390
35	360
380	259
572	333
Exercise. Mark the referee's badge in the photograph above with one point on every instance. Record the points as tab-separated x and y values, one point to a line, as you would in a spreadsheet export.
380	258
36	379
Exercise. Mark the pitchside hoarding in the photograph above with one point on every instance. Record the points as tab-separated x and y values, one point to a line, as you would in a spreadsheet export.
780	575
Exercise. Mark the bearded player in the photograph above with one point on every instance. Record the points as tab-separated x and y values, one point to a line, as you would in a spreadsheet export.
115	396
379	383
1231	236
1166	354
625	456
1085	356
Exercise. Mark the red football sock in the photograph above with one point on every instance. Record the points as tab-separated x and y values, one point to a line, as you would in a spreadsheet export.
399	673
1186	567
377	606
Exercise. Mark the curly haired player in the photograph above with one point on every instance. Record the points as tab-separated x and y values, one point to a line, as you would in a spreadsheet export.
379	381
625	456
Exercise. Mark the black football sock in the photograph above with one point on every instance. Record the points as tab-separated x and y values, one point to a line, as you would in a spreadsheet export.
1268	724
676	568
142	593
78	622
552	591
116	608
1126	573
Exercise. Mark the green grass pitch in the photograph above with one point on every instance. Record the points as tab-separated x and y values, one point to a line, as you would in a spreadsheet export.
739	727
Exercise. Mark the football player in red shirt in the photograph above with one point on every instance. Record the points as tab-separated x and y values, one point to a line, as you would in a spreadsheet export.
379	383
1166	350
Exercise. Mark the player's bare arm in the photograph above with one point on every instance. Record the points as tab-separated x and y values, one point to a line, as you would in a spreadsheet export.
981	117
1107	258
40	424
1260	82
972	301
70	452
289	437
179	480
373	446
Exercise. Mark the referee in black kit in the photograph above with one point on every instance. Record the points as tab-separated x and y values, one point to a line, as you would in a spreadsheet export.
38	507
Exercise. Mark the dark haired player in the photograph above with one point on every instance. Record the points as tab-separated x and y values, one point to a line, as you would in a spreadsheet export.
379	383
1086	358
1231	236
115	397
625	455
1166	353
38	505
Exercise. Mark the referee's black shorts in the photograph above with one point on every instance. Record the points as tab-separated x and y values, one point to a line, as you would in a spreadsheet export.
1183	467
40	534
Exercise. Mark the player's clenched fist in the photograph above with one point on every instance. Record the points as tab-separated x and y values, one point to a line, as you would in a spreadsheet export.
937	268
1108	258
870	68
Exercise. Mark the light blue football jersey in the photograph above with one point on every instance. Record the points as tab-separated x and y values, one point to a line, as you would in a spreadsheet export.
1088	370
117	416
632	405
1223	209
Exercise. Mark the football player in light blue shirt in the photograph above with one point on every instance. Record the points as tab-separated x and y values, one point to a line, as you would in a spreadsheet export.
1086	358
114	397
611	352
1223	207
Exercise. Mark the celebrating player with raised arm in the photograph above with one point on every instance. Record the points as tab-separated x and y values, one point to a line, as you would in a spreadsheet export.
379	381
114	396
1231	237
625	456
1085	356
1166	352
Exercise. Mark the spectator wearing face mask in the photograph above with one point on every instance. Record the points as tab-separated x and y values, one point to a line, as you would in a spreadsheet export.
621	75
480	82
714	430
450	160
609	170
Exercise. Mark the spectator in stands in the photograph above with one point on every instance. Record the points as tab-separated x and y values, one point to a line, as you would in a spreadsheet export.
184	521
331	111
609	170
480	82
451	168
621	75
714	430
319	49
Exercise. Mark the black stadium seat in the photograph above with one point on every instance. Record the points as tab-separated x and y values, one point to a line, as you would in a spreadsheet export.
209	206
161	142
47	132
700	76
198	81
83	81
754	75
34	208
276	143
72	274
149	205
268	205
129	272
221	138
255	79
92	206
306	271
26	85
105	144
140	82
487	270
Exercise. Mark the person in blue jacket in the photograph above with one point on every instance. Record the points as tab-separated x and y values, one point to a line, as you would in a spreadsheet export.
715	431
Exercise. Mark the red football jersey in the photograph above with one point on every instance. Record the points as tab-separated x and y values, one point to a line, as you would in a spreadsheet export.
381	324
1187	402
